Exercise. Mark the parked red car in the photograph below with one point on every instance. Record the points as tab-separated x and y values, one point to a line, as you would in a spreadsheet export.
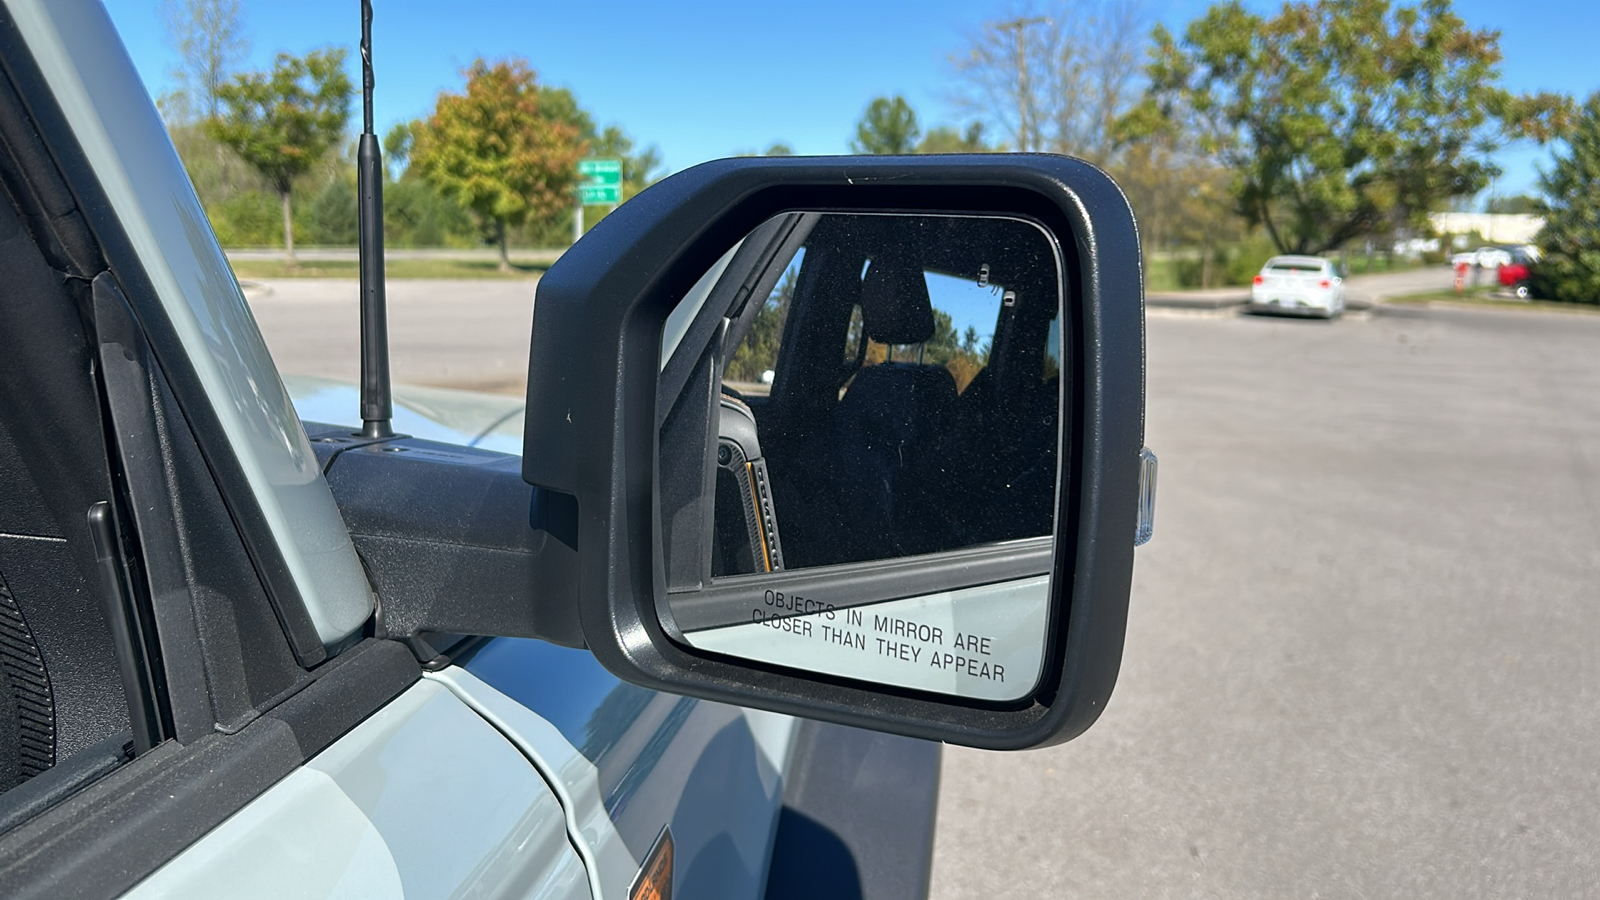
1514	274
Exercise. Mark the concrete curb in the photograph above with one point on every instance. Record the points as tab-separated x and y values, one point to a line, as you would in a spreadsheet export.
254	290
1205	300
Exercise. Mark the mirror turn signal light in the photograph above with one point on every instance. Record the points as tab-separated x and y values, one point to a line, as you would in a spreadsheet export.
1147	497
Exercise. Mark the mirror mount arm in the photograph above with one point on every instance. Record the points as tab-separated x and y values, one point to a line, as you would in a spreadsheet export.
453	540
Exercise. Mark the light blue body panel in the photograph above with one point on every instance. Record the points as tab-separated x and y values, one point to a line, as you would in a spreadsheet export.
465	418
713	773
460	787
424	799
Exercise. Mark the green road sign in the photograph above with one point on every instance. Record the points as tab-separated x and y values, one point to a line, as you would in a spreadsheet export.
600	181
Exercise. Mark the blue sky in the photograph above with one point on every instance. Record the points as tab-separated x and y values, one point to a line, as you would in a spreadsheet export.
707	79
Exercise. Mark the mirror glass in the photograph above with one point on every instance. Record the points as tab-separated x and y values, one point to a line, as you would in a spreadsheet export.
878	498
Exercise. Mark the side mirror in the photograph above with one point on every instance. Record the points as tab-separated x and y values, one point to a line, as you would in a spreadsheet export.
858	439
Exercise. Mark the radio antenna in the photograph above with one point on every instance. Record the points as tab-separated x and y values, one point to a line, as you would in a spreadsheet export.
376	406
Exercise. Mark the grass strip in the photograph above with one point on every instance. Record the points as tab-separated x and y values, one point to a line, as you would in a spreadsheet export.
1482	298
394	268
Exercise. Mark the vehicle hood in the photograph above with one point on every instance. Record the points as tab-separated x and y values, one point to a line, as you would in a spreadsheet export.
466	418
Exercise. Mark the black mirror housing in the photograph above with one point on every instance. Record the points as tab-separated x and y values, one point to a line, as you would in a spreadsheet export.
592	422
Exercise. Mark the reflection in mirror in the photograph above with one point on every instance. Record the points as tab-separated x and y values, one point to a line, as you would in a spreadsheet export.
885	466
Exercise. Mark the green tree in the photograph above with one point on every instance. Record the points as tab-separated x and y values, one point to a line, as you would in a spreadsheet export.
397	144
944	139
283	121
561	105
945	343
1186	216
246	219
758	352
639	167
1342	118
330	217
958	352
1519	204
888	126
415	213
612	142
494	150
1570	268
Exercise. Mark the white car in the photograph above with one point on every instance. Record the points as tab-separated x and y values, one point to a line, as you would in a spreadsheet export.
1483	258
1305	285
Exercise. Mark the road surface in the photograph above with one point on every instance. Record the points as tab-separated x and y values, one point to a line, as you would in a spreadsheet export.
1361	659
466	334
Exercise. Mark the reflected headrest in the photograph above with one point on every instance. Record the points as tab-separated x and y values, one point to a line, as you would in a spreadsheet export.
894	302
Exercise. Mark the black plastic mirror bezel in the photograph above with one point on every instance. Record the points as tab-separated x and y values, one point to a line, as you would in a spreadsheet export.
591	428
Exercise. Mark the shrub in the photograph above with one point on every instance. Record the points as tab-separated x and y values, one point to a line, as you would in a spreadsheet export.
248	219
330	218
1231	264
417	215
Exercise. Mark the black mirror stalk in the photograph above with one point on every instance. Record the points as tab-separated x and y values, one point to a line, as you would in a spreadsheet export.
376	406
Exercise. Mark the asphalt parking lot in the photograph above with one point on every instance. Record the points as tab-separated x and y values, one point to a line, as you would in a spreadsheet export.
1361	659
461	334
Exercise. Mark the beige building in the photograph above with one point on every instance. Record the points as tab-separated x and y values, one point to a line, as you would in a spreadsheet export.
1497	228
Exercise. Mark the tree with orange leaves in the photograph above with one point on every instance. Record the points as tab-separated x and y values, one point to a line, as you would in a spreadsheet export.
494	151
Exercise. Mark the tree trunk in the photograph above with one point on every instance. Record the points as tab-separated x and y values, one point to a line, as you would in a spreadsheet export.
1205	262
288	232
505	259
1272	229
